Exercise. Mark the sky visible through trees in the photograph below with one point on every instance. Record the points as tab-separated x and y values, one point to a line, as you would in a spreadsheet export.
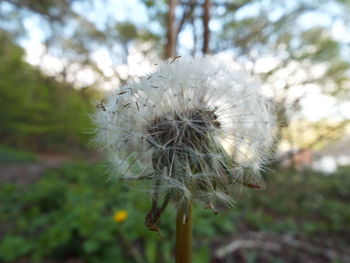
299	50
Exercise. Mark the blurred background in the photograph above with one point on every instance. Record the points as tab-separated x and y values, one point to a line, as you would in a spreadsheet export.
57	60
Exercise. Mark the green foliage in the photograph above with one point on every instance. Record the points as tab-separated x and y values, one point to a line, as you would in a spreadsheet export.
47	8
309	203
39	112
69	214
127	32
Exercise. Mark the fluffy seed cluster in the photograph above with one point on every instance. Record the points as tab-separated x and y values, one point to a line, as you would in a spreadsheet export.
189	131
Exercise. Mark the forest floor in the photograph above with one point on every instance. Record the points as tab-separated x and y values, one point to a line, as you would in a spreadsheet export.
30	172
298	218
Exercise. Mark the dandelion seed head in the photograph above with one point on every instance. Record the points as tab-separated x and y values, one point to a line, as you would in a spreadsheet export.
193	128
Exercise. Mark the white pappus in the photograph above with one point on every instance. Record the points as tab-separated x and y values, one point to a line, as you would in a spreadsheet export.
191	130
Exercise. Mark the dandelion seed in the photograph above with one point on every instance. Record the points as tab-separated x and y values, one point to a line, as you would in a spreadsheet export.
203	130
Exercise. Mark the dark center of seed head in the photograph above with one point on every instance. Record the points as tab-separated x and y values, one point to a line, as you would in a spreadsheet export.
182	130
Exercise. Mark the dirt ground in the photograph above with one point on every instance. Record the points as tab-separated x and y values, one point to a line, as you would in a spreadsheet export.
28	173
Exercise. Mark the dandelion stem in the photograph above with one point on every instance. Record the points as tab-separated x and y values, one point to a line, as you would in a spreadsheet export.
183	253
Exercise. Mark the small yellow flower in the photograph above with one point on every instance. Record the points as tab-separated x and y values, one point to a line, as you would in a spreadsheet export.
120	216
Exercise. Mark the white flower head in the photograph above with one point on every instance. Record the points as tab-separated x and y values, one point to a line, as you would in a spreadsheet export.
193	129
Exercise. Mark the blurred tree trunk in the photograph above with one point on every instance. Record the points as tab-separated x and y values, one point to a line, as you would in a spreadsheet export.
206	30
194	33
170	48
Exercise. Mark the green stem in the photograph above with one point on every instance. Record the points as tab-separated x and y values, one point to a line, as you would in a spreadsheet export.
183	253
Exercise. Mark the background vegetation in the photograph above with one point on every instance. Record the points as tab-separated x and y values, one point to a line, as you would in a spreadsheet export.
68	215
38	112
57	199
